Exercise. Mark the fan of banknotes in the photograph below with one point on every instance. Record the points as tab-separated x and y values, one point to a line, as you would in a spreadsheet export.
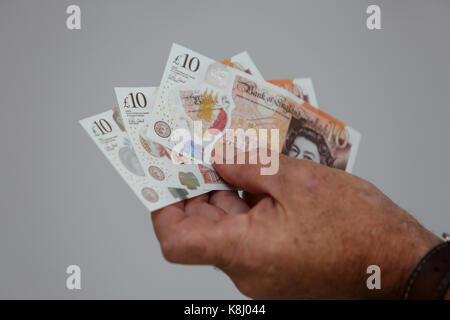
160	139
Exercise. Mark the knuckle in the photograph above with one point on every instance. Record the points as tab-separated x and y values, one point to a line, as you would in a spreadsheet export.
169	251
245	287
252	289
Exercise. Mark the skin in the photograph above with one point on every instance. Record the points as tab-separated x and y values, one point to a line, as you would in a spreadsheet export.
307	232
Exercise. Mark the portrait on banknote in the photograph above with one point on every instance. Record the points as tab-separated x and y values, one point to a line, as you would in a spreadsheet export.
305	143
315	141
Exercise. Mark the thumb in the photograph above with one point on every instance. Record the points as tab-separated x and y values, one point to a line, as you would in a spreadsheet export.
253	176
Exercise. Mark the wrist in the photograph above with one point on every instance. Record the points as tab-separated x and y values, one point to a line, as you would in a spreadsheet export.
406	251
424	247
430	279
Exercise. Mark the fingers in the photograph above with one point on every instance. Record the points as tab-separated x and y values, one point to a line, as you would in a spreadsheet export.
165	218
228	201
195	240
252	199
198	232
251	177
204	210
191	205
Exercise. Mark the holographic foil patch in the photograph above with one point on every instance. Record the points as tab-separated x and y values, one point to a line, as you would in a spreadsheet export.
217	75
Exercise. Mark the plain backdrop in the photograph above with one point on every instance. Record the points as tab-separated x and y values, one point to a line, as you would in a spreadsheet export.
62	203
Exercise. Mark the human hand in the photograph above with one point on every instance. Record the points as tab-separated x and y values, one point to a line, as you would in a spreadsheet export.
308	231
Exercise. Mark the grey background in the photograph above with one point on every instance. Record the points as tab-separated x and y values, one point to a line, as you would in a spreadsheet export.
62	203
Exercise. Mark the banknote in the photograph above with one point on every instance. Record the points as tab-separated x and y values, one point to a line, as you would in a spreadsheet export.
243	62
158	160
160	164
135	103
301	87
108	132
197	88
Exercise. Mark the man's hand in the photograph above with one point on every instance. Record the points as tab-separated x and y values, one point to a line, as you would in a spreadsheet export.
307	232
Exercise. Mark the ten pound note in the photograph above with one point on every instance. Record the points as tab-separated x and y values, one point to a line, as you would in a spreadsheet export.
108	133
301	87
230	95
197	88
158	161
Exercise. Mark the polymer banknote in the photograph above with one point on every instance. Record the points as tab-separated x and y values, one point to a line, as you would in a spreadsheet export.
159	162
108	132
195	88
301	87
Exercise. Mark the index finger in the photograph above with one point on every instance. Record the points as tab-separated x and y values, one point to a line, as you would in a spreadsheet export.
164	218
